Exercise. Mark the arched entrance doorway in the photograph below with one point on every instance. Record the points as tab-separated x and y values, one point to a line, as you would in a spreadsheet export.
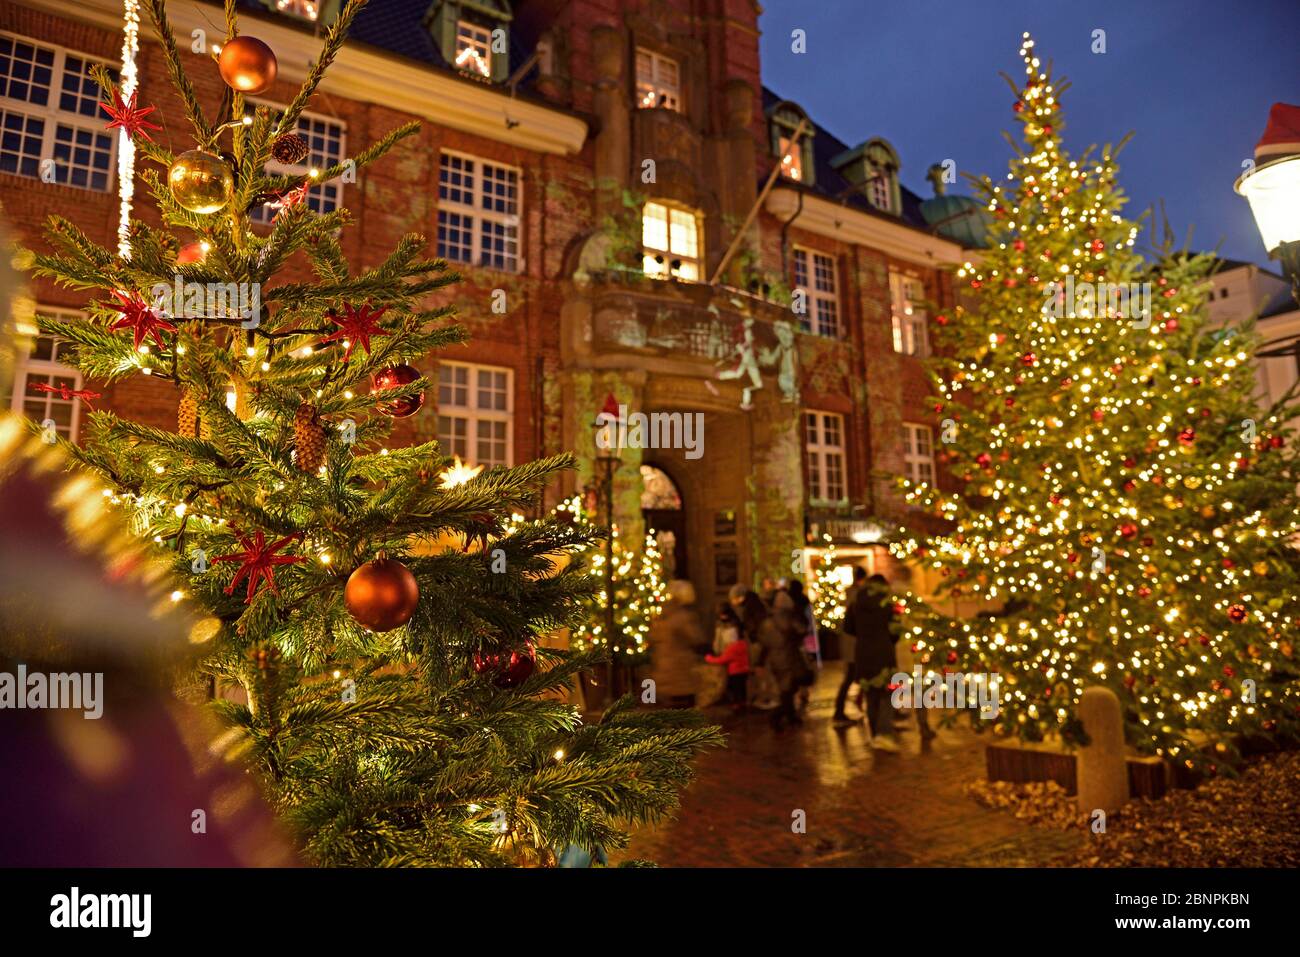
661	507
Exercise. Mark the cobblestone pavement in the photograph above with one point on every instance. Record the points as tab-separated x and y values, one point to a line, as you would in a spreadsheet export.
863	808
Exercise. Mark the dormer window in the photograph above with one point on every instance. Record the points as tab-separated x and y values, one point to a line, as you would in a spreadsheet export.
879	192
658	82
305	9
474	48
795	154
473	36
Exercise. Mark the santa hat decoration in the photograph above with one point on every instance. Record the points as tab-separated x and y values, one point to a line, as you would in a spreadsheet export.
1281	136
609	412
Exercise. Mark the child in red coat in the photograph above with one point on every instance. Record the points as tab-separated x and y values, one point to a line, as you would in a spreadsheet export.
736	657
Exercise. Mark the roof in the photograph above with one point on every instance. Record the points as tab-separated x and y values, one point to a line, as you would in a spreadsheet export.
829	183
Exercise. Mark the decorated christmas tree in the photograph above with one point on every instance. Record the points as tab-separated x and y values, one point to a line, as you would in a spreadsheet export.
375	615
829	586
639	591
1125	509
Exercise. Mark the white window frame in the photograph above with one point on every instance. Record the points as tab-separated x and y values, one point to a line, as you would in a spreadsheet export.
880	191
53	116
472	413
324	193
823	452
676	244
823	313
25	366
658	81
910	326
480	41
478	214
918	452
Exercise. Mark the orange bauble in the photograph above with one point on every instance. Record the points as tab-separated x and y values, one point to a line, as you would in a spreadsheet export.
191	253
247	65
382	595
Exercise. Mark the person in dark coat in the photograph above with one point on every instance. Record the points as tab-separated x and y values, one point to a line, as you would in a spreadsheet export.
870	619
848	651
781	638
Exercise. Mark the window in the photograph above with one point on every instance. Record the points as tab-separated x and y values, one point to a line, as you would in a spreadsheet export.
670	242
475	412
822	314
791	159
474	48
658	82
824	441
325	144
42	367
307	9
478	212
918	452
906	295
879	193
50	117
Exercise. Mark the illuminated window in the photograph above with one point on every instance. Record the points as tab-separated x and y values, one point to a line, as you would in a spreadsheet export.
918	452
476	413
478	212
906	295
42	369
821	298
670	242
824	444
51	127
791	159
474	48
658	82
307	9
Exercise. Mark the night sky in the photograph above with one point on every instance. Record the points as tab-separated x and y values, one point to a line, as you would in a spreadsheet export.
1192	79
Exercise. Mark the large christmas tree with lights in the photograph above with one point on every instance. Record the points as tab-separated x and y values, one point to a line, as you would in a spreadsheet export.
374	614
1126	511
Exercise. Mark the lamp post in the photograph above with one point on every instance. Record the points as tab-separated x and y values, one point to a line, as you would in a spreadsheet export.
607	462
1272	187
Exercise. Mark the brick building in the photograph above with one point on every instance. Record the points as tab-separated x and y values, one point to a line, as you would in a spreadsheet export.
598	173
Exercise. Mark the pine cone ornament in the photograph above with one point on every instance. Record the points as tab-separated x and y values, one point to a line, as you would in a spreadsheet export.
308	438
289	149
187	415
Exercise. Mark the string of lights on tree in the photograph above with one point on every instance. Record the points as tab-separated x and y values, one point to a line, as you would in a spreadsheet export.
1125	510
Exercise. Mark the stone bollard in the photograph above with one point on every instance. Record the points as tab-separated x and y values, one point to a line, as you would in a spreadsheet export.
1102	772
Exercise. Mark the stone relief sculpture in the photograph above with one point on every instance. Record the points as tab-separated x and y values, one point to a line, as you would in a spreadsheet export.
747	366
784	357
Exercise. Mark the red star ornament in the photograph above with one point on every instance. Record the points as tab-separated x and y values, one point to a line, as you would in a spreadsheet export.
140	318
355	326
129	118
258	561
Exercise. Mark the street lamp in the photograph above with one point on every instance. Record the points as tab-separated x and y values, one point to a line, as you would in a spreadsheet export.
1272	187
607	462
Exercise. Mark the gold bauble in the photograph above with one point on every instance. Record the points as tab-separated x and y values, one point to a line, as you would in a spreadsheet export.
247	65
200	181
1207	511
1260	568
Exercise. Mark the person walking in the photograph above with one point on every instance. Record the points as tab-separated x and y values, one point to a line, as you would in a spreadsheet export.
674	637
870	619
734	654
781	638
808	644
848	648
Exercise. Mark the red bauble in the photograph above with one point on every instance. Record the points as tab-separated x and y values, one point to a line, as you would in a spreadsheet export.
1171	325
1187	436
1029	359
391	378
191	253
507	668
1237	614
247	65
382	595
1128	530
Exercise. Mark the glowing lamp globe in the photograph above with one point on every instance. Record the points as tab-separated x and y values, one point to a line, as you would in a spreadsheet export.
1273	191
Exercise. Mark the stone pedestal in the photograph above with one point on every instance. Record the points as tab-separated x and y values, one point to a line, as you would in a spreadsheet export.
1102	771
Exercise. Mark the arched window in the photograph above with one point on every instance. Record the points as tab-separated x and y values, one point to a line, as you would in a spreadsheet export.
670	242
